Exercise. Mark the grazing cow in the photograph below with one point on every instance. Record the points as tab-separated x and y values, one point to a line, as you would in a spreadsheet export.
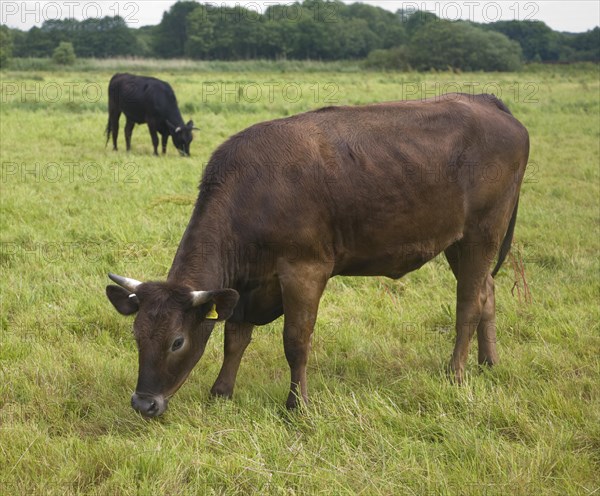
375	190
151	101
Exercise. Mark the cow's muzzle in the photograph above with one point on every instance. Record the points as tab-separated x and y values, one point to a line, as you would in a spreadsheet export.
148	405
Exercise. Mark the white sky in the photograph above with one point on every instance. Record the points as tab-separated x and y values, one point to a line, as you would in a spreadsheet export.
574	16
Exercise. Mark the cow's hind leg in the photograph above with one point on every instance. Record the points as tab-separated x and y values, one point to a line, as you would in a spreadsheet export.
237	338
114	117
486	330
128	132
302	286
475	307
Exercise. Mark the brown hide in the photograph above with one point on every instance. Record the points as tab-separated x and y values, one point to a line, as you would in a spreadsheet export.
372	190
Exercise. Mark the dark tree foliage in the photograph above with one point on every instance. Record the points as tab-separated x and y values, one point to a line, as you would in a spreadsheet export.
145	41
541	44
387	28
416	20
171	36
314	29
6	46
34	43
105	37
587	42
442	45
537	40
580	47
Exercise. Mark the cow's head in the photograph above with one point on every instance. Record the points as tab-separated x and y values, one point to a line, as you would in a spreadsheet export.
182	136
171	328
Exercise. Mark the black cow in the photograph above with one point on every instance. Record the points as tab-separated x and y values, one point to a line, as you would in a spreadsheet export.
151	101
285	205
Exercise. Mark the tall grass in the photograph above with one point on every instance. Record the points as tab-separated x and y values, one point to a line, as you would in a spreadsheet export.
383	418
130	64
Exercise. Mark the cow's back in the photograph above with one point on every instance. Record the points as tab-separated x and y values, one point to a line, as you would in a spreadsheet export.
140	96
380	188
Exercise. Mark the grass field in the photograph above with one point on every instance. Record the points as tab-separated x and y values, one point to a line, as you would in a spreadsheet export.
383	419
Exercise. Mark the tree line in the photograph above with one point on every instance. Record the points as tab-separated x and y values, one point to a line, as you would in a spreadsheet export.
312	29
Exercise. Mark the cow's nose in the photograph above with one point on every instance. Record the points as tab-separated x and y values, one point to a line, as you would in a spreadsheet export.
149	406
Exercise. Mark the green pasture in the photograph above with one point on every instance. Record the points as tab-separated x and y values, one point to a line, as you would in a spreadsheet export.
384	419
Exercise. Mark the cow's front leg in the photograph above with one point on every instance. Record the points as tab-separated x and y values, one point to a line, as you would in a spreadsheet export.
154	136
237	338
302	286
128	132
165	139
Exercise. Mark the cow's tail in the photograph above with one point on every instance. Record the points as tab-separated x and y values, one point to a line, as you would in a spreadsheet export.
505	247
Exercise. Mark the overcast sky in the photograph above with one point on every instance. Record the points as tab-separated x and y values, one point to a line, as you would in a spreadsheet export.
574	16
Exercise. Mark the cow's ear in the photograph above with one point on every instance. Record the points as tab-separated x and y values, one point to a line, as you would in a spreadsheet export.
216	305
225	301
190	124
124	301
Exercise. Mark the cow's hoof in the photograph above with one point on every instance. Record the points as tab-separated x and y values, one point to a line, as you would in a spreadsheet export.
455	375
295	402
221	392
487	361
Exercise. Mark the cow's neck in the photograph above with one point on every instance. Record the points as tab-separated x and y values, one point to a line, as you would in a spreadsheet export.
204	258
175	118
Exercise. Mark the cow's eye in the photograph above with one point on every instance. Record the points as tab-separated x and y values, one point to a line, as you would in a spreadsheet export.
178	343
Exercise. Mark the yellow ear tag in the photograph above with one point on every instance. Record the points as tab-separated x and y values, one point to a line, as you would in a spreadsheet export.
212	314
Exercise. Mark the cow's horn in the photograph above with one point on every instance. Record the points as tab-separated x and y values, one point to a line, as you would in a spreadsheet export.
200	297
125	282
178	129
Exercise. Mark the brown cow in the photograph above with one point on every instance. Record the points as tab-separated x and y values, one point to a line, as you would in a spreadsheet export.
375	190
